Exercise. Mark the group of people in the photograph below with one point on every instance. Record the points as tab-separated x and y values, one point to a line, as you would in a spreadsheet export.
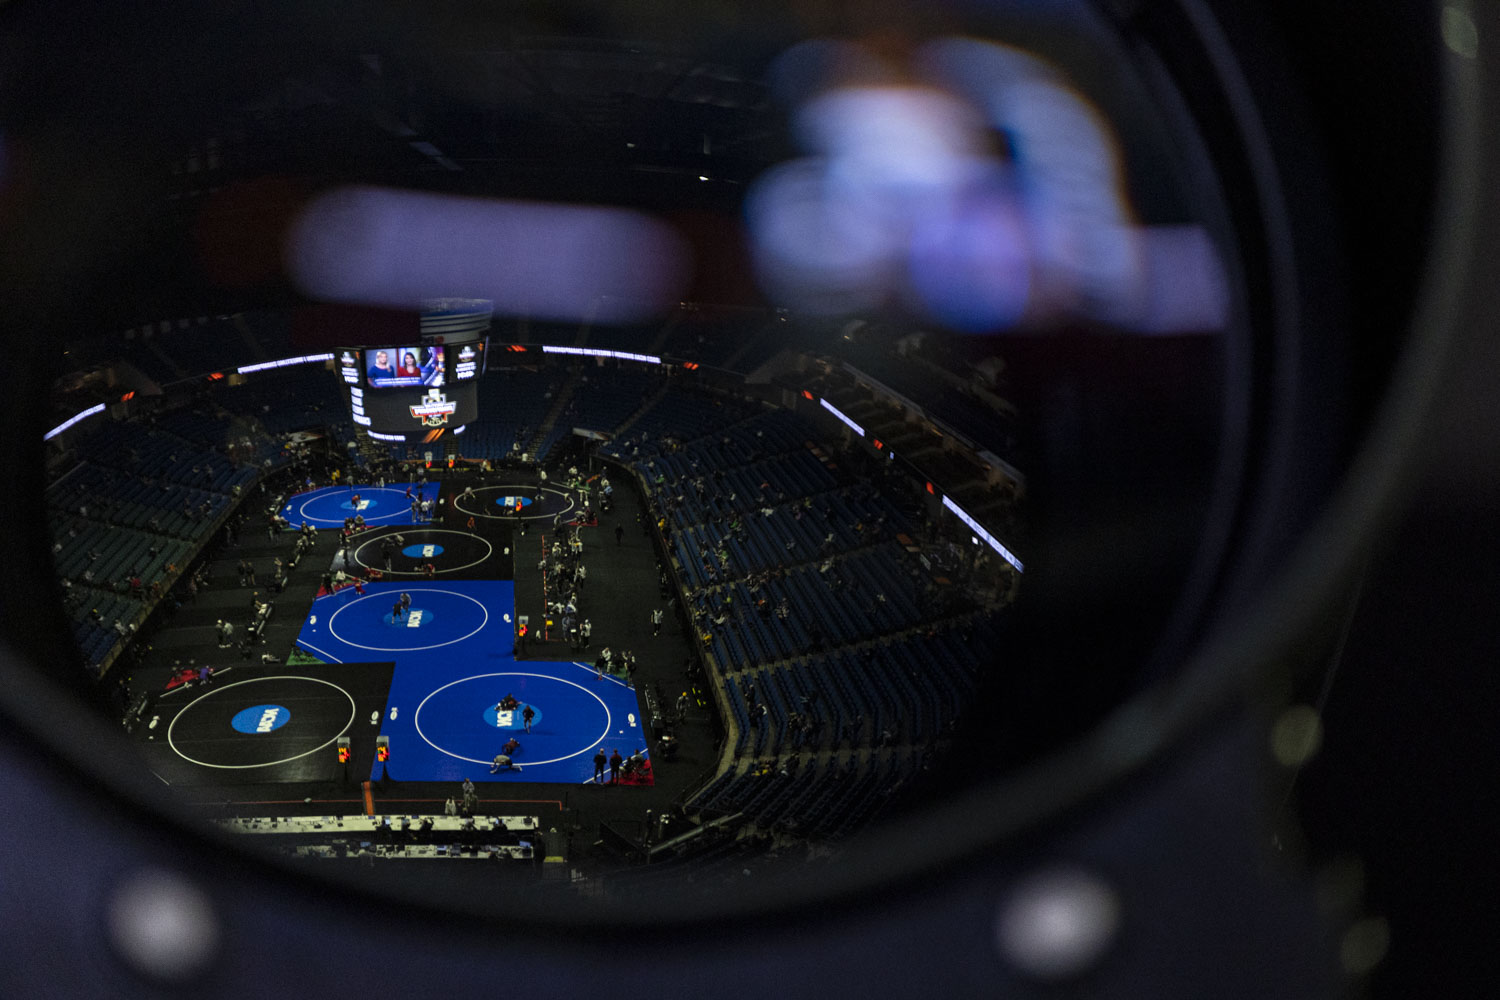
618	766
567	577
622	663
505	759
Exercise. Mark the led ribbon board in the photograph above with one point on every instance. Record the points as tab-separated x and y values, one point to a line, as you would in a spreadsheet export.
306	359
649	359
989	539
54	432
842	419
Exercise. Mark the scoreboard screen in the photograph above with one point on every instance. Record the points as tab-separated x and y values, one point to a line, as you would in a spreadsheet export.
468	360
411	390
349	366
405	367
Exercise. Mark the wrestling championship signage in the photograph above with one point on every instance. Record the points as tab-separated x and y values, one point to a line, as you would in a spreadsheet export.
435	409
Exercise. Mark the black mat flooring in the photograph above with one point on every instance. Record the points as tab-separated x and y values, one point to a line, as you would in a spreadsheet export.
202	737
618	598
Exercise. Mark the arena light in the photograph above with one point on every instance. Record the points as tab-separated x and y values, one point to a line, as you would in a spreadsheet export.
979	530
84	415
842	418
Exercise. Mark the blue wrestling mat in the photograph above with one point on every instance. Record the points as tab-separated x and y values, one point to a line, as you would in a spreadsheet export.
453	650
327	507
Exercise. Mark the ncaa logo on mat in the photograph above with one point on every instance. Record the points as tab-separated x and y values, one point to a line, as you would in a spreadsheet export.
413	618
511	503
495	717
260	719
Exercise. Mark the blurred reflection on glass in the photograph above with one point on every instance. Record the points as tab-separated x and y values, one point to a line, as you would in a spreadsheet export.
909	198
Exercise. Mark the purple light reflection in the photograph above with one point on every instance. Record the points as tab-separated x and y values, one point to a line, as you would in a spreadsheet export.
905	197
388	247
819	243
970	265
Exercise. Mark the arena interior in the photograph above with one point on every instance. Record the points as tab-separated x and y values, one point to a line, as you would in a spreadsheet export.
233	550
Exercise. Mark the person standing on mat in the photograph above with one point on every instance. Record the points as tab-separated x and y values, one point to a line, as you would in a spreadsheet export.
405	602
527	714
615	760
396	612
599	761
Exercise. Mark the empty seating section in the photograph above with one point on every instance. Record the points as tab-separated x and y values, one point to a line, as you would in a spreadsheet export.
965	413
241	437
715	338
511	401
200	347
562	334
768	341
631	339
824	796
164	508
135	508
601	400
817	618
678	417
170	350
294	399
